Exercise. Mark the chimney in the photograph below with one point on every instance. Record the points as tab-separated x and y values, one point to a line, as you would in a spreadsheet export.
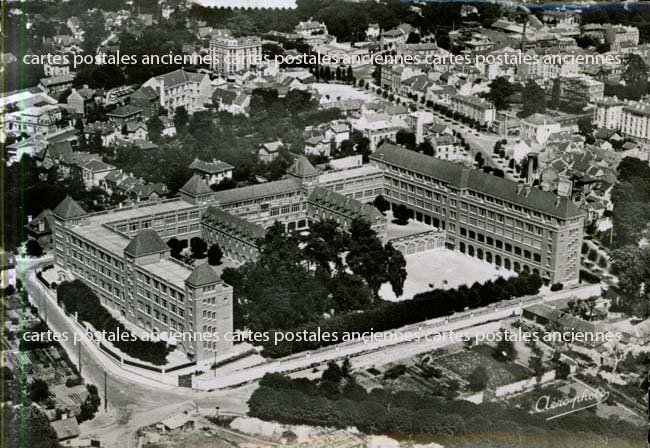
520	187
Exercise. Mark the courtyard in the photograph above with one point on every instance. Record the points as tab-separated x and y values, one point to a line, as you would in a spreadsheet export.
444	269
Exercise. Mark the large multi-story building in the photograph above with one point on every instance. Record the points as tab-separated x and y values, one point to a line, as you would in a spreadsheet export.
549	64
635	121
502	222
631	118
233	54
181	88
608	113
122	255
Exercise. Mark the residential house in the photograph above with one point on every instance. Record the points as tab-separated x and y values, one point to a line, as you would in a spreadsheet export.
40	228
125	114
538	127
318	145
146	99
181	88
212	172
94	171
269	151
80	99
55	85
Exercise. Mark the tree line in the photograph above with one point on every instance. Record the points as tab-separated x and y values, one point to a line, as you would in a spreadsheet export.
337	400
427	305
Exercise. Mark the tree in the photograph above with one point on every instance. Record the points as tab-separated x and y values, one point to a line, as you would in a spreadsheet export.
536	360
154	128
181	118
324	244
479	160
215	255
635	76
402	214
405	138
586	129
372	261
175	248
478	379
27	426
395	269
426	148
39	391
198	247
333	373
413	38
33	248
500	91
381	204
533	99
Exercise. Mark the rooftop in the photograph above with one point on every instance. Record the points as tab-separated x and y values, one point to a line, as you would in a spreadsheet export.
460	177
146	242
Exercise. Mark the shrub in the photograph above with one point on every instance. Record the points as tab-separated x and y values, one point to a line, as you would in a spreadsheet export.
478	379
395	372
557	286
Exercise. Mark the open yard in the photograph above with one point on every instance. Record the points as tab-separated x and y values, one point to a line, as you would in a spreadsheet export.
336	92
442	268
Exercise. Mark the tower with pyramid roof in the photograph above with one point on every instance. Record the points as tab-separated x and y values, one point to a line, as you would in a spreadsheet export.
196	191
304	171
67	214
147	247
212	303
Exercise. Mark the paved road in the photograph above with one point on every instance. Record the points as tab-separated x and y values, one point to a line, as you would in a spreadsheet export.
130	405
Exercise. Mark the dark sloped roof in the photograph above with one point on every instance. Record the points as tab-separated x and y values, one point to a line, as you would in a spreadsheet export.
203	275
464	178
346	206
46	217
146	242
146	92
245	230
302	167
216	166
196	186
68	208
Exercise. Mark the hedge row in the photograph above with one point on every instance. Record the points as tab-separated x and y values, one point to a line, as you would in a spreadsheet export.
78	298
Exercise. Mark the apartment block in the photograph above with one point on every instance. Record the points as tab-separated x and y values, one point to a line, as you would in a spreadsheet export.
580	89
233	54
474	108
608	113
